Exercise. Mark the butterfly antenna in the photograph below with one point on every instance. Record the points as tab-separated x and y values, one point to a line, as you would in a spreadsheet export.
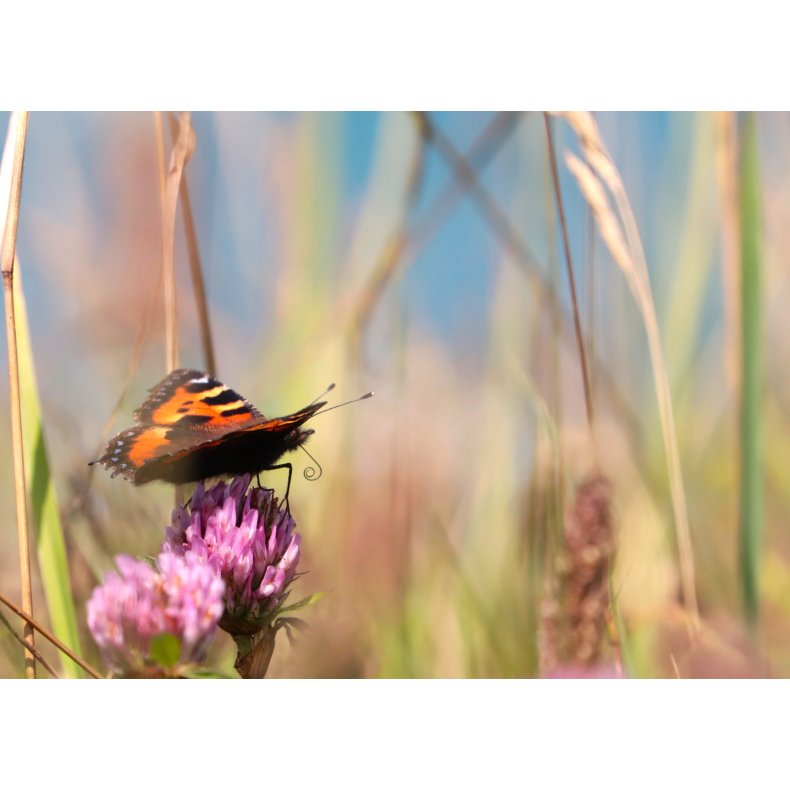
345	403
328	389
312	472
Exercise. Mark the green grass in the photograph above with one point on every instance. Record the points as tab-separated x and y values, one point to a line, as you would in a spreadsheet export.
49	540
751	443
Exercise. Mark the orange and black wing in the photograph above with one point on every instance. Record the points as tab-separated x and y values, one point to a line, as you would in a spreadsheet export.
186	409
193	399
193	426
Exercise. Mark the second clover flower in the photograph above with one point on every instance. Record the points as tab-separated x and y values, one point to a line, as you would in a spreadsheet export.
178	596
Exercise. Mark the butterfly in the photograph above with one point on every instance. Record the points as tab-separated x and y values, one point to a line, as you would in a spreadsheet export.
192	427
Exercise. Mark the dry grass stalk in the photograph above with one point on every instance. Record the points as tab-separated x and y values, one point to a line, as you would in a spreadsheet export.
49	636
619	232
195	265
576	622
571	280
182	150
28	646
17	132
167	272
590	287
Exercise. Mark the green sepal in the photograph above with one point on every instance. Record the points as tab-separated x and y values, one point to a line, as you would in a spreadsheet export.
166	650
311	599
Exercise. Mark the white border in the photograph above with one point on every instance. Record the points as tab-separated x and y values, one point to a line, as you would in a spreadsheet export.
434	54
399	733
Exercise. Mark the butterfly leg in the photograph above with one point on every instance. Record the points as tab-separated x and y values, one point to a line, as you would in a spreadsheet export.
289	467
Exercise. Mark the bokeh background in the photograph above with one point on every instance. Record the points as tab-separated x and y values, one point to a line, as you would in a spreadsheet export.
412	255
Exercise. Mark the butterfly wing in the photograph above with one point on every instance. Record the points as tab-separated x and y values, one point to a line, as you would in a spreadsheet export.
248	449
193	426
187	408
193	399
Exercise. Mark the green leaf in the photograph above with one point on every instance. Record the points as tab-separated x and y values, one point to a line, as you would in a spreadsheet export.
51	546
165	650
311	599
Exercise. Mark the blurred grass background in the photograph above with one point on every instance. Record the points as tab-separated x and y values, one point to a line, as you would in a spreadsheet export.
354	248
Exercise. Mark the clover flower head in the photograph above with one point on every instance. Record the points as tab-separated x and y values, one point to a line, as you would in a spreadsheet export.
179	595
247	538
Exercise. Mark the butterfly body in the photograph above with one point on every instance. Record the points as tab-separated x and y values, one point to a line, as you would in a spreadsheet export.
192	427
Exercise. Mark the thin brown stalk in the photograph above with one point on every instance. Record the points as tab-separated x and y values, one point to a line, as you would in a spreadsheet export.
595	175
571	279
29	646
167	275
195	265
49	636
178	157
590	284
555	344
18	124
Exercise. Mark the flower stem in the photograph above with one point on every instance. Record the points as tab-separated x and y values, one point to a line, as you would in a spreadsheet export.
255	652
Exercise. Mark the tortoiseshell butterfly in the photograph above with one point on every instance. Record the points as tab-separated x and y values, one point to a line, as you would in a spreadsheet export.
192	427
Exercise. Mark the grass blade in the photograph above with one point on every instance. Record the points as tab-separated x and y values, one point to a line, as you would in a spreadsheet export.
51	546
751	478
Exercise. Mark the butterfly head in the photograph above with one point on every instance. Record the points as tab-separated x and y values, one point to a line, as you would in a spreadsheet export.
297	437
